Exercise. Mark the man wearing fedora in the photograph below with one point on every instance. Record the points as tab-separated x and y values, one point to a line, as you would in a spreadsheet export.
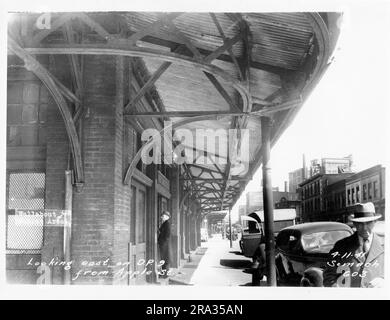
358	260
163	240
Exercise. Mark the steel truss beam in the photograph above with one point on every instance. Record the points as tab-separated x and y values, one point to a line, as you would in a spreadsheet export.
263	111
40	71
117	48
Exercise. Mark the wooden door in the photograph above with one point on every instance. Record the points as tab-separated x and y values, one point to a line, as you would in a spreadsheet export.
138	232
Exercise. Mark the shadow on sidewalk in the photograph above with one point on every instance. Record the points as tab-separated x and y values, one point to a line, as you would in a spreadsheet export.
184	273
177	282
235	264
239	253
250	284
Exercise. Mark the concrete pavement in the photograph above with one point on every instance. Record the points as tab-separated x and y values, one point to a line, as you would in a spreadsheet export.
215	264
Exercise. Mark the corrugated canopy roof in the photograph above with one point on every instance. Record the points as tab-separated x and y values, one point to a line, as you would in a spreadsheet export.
210	71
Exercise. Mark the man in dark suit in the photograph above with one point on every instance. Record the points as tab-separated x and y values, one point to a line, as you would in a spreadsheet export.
164	234
358	260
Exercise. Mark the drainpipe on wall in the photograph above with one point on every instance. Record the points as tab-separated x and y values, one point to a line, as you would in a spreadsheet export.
68	222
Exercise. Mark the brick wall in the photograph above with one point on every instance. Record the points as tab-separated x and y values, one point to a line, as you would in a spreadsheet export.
122	192
54	163
57	161
93	208
101	212
57	152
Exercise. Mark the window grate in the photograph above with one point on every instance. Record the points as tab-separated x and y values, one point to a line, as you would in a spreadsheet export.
26	190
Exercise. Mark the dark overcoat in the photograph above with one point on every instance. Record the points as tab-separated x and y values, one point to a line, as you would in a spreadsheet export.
163	241
348	266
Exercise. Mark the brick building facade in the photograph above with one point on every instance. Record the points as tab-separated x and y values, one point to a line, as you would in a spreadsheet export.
331	197
367	186
110	220
314	194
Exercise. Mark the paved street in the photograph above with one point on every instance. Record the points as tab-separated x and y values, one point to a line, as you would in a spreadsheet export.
216	264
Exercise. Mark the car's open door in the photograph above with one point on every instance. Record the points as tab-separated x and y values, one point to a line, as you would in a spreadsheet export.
250	240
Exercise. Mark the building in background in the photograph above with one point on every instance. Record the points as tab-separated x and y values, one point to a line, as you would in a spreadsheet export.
297	176
367	186
284	203
241	212
313	193
254	201
284	197
282	200
331	197
334	200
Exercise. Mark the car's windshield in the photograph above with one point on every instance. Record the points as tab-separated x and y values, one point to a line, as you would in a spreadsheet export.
322	242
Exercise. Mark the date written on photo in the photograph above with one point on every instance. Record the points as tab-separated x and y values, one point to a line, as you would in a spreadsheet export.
195	309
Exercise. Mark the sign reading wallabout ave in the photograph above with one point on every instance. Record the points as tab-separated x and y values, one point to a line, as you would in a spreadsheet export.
51	217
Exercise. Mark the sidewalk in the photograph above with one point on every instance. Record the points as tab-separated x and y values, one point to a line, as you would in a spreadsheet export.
184	274
214	264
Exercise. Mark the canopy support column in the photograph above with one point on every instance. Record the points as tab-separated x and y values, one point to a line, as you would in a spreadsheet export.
268	202
230	228
176	217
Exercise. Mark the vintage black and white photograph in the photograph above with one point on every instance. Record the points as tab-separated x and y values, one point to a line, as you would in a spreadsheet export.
210	147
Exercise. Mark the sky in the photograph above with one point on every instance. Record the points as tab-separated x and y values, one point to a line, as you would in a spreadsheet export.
347	112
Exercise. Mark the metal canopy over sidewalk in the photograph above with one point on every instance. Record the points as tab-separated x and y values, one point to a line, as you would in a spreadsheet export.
218	71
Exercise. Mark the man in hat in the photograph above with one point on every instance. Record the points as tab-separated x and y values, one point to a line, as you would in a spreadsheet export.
164	234
358	260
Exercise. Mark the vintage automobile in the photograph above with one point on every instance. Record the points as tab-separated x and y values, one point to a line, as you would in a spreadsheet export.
305	247
250	236
253	228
